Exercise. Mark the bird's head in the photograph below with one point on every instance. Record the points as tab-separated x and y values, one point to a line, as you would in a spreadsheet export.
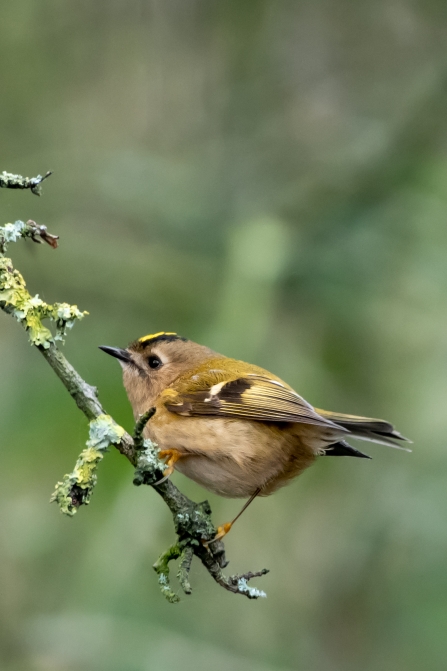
152	363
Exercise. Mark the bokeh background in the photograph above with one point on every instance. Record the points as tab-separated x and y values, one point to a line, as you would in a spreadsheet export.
269	179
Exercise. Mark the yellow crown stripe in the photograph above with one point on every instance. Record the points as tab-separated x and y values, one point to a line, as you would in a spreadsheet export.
156	335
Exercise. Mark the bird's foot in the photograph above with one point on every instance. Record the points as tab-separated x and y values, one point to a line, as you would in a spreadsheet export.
221	532
171	456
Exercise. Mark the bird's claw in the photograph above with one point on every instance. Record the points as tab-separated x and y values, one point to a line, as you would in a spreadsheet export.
221	532
172	457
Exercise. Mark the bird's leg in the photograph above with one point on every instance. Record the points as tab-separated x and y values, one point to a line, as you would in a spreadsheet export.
171	456
225	528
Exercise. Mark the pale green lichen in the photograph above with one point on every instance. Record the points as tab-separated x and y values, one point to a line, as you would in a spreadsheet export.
31	310
9	180
12	232
251	592
161	567
103	432
149	468
184	568
36	232
76	487
167	592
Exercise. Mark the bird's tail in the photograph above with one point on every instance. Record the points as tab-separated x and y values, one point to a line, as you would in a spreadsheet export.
365	428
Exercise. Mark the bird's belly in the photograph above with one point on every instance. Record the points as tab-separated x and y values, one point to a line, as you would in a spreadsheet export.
232	457
221	476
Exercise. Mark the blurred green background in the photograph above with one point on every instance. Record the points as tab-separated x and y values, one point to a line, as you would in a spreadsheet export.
269	179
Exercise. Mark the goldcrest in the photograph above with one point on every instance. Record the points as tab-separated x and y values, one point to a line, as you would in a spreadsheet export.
232	427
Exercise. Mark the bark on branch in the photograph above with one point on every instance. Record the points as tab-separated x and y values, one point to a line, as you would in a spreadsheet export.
192	521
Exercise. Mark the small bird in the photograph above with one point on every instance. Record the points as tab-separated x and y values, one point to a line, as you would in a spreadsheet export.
232	427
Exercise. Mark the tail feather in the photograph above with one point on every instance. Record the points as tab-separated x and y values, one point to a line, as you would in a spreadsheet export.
365	428
343	449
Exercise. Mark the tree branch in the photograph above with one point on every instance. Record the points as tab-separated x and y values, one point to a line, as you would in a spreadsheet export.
10	181
192	521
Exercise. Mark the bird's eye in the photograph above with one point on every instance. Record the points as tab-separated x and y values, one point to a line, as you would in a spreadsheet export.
154	362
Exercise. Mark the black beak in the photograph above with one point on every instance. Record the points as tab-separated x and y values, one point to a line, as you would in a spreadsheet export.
121	354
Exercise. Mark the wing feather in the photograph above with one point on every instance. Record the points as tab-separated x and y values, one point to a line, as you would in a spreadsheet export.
253	397
367	428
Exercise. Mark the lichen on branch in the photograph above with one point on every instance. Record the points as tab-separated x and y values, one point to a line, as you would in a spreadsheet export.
148	466
10	181
29	310
77	487
161	568
37	232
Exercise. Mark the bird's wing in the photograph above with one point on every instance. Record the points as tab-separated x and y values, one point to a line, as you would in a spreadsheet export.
251	396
